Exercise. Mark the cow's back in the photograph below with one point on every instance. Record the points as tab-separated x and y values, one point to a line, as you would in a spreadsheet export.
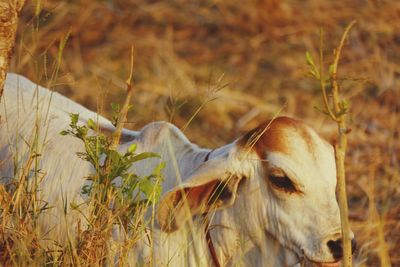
30	112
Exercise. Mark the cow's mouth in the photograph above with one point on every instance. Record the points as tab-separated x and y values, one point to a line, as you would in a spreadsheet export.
316	263
325	264
301	255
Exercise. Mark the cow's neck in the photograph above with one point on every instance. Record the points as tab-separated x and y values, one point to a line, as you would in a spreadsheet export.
233	245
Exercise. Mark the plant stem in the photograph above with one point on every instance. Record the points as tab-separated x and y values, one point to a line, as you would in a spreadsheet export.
322	79
124	111
340	149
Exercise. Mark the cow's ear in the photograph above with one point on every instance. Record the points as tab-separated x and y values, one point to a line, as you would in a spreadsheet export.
209	188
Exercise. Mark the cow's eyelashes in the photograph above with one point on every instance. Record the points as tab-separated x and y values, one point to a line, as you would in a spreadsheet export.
282	182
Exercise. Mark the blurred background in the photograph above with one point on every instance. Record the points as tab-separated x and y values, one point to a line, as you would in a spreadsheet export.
218	68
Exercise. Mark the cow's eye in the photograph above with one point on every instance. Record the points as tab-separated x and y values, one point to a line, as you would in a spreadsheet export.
282	182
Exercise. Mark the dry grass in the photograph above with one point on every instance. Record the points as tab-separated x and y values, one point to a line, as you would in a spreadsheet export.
183	49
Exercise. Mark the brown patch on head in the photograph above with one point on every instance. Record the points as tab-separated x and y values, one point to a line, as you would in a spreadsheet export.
273	135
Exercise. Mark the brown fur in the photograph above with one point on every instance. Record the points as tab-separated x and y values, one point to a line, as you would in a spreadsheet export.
273	135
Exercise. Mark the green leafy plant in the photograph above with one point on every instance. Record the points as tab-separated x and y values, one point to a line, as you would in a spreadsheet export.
112	175
114	194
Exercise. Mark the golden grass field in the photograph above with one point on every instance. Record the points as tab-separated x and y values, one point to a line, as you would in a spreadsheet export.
218	68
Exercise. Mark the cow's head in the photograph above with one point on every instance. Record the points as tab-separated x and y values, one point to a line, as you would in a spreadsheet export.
279	179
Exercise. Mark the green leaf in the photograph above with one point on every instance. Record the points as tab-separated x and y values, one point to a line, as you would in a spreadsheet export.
74	118
147	187
144	155
330	69
159	168
132	148
309	59
345	103
313	73
91	124
82	131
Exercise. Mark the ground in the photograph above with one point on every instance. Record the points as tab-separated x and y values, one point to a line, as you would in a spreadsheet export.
218	68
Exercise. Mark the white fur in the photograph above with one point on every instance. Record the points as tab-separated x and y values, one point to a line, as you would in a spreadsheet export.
263	227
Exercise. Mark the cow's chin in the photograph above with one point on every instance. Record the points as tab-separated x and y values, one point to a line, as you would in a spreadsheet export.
291	257
322	264
309	262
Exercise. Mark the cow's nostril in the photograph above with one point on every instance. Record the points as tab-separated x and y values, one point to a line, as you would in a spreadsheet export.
353	245
336	248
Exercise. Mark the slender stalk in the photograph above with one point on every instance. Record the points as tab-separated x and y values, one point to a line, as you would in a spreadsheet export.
125	108
340	149
322	79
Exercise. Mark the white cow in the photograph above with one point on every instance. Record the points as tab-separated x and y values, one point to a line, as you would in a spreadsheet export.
268	198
